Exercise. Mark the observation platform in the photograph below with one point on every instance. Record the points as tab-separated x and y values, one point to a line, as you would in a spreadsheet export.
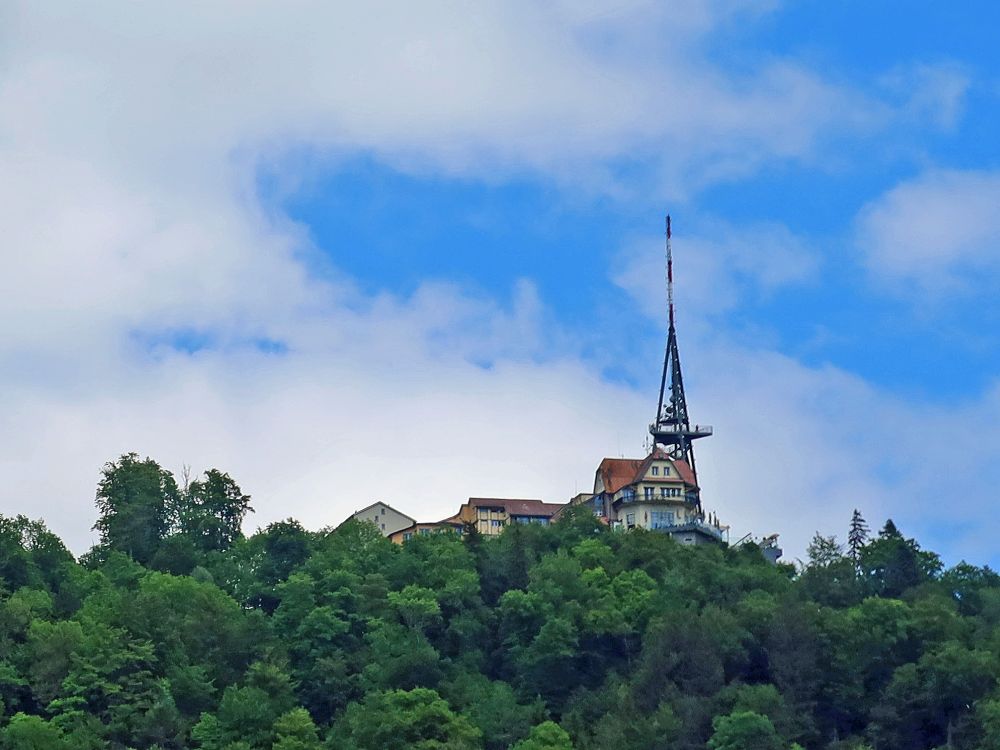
672	434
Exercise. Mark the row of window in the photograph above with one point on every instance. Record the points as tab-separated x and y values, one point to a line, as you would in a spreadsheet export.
408	535
650	492
519	519
658	519
656	471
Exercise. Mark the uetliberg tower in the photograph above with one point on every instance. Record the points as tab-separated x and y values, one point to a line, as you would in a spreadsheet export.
672	428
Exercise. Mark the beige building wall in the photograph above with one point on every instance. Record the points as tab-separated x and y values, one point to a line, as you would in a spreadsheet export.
388	520
641	515
488	521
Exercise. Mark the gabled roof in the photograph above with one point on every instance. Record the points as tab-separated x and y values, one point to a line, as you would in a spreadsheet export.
685	471
616	473
515	507
375	505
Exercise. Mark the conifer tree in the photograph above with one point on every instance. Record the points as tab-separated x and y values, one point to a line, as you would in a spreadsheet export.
857	536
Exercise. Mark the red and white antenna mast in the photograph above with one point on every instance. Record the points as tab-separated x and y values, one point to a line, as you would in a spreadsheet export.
670	276
672	427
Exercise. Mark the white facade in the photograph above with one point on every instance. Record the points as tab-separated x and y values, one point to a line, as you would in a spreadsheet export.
387	519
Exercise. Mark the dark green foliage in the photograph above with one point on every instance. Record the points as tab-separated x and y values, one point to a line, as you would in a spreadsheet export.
136	500
891	564
212	511
742	730
546	736
857	536
400	720
179	632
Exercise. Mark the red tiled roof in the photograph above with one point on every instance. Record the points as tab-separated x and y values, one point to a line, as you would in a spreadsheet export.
616	473
685	471
517	507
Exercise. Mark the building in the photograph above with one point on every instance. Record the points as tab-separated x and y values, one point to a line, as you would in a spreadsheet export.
658	493
453	525
387	519
490	515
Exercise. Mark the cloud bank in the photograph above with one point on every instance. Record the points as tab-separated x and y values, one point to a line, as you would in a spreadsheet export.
150	302
939	231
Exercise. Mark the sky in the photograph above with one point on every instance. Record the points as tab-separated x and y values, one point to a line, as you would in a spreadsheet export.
355	252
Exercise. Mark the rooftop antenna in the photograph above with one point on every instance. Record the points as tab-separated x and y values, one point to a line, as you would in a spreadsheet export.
672	427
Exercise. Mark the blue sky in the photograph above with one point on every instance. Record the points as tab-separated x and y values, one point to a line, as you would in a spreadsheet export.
487	233
351	254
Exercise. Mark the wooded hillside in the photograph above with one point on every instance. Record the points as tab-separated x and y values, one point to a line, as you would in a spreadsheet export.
178	632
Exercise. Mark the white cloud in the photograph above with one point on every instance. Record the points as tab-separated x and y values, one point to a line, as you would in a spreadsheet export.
932	93
321	432
796	449
129	139
463	88
935	233
716	266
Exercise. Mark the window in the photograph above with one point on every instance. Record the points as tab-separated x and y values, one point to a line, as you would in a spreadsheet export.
495	523
660	519
664	492
648	492
383	527
425	532
383	511
630	519
407	536
666	471
656	471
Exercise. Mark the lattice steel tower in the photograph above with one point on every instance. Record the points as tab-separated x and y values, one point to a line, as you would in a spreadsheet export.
672	428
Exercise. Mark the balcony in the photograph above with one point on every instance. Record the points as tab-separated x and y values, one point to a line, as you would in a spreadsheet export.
689	499
680	429
699	526
670	433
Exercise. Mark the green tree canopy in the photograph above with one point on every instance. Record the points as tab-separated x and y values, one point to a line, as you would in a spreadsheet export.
744	730
136	500
416	719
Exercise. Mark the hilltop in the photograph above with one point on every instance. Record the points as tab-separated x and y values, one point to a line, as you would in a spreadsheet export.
179	632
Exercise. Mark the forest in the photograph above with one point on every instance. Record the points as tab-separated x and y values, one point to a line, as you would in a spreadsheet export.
177	631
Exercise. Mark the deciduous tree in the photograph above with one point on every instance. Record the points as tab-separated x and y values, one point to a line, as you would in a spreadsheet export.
136	500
